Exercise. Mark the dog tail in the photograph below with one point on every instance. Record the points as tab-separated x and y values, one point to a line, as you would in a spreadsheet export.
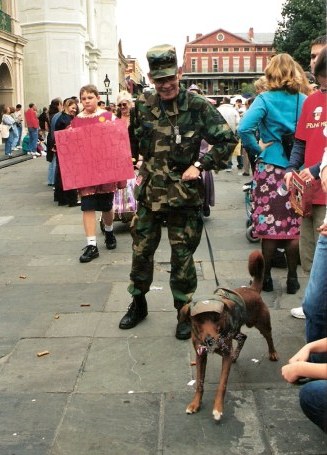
256	269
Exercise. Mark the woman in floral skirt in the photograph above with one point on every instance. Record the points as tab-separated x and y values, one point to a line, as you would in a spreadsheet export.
275	113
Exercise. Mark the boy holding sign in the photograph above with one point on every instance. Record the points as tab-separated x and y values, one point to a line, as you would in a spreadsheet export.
96	159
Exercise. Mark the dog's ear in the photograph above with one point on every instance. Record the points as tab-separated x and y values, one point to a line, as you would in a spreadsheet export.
184	313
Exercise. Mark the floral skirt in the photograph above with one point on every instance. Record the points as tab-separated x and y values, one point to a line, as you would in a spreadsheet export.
272	214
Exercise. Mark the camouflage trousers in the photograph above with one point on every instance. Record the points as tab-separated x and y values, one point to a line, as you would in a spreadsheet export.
184	232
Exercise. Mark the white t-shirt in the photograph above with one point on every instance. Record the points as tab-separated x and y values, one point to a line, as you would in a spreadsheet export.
231	115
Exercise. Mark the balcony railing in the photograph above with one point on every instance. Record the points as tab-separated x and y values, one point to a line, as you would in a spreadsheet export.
5	22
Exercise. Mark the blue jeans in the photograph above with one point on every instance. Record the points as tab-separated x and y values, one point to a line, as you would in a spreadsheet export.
315	298
313	401
52	170
15	138
10	141
19	135
33	135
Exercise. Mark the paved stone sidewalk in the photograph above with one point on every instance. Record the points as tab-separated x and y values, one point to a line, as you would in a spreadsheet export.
104	391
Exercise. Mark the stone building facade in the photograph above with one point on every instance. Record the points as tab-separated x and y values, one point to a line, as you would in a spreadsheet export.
11	55
135	81
70	43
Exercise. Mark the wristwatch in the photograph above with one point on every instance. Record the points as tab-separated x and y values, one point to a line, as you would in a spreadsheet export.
198	165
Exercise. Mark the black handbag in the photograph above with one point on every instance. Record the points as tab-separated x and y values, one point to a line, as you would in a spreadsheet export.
287	143
288	138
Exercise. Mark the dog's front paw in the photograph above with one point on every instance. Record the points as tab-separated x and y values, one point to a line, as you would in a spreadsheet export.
217	415
192	408
273	356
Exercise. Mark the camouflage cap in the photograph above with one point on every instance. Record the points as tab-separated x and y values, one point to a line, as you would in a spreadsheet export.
162	61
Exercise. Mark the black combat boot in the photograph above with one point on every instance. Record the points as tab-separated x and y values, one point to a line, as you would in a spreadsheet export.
183	328
137	311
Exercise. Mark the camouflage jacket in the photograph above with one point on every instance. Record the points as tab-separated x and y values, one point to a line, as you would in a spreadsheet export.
167	153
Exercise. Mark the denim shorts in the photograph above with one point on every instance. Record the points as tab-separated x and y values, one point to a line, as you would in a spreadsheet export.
101	202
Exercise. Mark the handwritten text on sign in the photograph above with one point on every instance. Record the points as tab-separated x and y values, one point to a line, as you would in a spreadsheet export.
94	154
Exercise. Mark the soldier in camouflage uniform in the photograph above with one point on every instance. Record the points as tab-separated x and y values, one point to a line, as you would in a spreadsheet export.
170	124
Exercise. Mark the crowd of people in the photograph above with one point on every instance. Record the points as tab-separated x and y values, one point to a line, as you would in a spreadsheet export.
177	138
11	131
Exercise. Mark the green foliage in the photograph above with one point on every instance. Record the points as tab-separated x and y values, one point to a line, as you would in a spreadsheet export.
302	22
247	89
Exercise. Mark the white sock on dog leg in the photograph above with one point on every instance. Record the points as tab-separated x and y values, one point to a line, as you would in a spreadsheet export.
217	415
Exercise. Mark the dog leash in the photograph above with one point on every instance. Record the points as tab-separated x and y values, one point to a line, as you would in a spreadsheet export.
210	251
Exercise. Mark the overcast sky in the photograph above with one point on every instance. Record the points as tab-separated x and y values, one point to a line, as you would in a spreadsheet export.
143	24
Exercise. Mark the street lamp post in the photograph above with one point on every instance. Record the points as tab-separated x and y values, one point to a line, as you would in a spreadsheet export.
107	85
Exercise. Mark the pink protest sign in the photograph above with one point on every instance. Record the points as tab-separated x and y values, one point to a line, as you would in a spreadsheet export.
94	154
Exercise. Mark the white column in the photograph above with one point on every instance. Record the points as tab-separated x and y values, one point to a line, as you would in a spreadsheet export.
106	29
20	88
93	67
91	22
16	29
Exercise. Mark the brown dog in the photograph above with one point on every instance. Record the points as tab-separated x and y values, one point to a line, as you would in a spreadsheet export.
217	321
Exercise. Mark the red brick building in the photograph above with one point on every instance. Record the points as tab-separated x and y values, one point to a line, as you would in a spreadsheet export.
134	78
222	61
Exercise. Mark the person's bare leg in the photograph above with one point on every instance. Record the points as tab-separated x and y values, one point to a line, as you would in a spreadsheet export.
89	223
108	217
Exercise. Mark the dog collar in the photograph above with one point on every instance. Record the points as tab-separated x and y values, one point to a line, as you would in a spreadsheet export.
230	295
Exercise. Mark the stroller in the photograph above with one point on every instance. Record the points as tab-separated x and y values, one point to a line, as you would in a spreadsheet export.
124	204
